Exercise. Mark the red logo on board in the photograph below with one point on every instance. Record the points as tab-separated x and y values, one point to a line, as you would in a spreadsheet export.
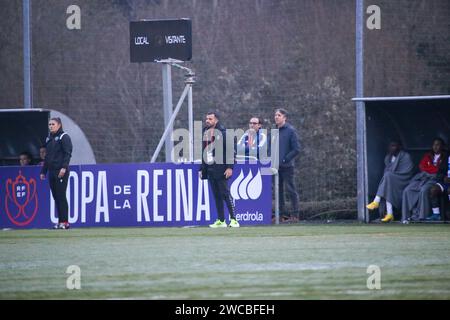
21	203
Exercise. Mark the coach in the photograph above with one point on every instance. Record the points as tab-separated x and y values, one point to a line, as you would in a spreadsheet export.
56	163
289	149
217	167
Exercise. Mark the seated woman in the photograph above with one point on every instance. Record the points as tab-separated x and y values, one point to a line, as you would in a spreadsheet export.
398	171
416	201
441	187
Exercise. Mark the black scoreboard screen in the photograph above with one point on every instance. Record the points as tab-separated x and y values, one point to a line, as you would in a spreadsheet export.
152	40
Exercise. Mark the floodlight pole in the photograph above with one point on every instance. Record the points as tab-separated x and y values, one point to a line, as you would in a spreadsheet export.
361	150
167	135
27	80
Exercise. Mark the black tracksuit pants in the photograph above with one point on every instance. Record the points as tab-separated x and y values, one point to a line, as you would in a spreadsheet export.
222	194
286	175
58	186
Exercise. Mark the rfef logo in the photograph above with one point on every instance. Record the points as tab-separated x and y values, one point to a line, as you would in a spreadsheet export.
21	203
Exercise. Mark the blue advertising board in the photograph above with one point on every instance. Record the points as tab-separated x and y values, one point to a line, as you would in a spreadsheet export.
125	195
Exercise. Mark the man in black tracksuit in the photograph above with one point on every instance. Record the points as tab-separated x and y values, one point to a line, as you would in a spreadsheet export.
56	163
217	167
289	149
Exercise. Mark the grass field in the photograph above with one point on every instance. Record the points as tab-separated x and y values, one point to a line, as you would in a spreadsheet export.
273	262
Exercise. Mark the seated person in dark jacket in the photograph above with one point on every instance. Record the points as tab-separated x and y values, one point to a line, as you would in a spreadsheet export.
25	158
42	154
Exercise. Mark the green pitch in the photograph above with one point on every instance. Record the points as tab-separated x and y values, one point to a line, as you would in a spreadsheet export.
274	262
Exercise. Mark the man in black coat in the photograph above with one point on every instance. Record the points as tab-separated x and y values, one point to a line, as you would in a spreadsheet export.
288	150
217	167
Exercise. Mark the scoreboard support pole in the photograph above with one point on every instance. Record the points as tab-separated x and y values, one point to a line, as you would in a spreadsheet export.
187	92
167	105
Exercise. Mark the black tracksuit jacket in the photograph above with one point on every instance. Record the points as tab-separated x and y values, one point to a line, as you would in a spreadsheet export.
59	152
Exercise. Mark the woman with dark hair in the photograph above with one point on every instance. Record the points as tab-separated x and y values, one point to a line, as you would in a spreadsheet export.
416	203
56	163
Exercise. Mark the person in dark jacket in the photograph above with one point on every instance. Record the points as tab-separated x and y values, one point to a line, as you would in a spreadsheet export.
217	167
25	158
56	164
42	153
288	150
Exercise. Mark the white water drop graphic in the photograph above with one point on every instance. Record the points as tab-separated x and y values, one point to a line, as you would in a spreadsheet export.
235	185
254	188
243	186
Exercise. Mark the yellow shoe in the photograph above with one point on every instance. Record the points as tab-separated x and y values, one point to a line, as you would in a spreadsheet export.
233	223
218	224
373	205
388	218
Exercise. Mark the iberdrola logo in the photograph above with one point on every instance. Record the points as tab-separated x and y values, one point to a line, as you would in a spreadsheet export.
21	203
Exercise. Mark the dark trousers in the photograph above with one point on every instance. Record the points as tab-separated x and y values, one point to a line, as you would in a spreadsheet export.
286	175
437	196
58	186
435	201
222	194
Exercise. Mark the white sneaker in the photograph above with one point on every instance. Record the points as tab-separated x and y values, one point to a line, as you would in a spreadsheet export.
63	226
233	223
